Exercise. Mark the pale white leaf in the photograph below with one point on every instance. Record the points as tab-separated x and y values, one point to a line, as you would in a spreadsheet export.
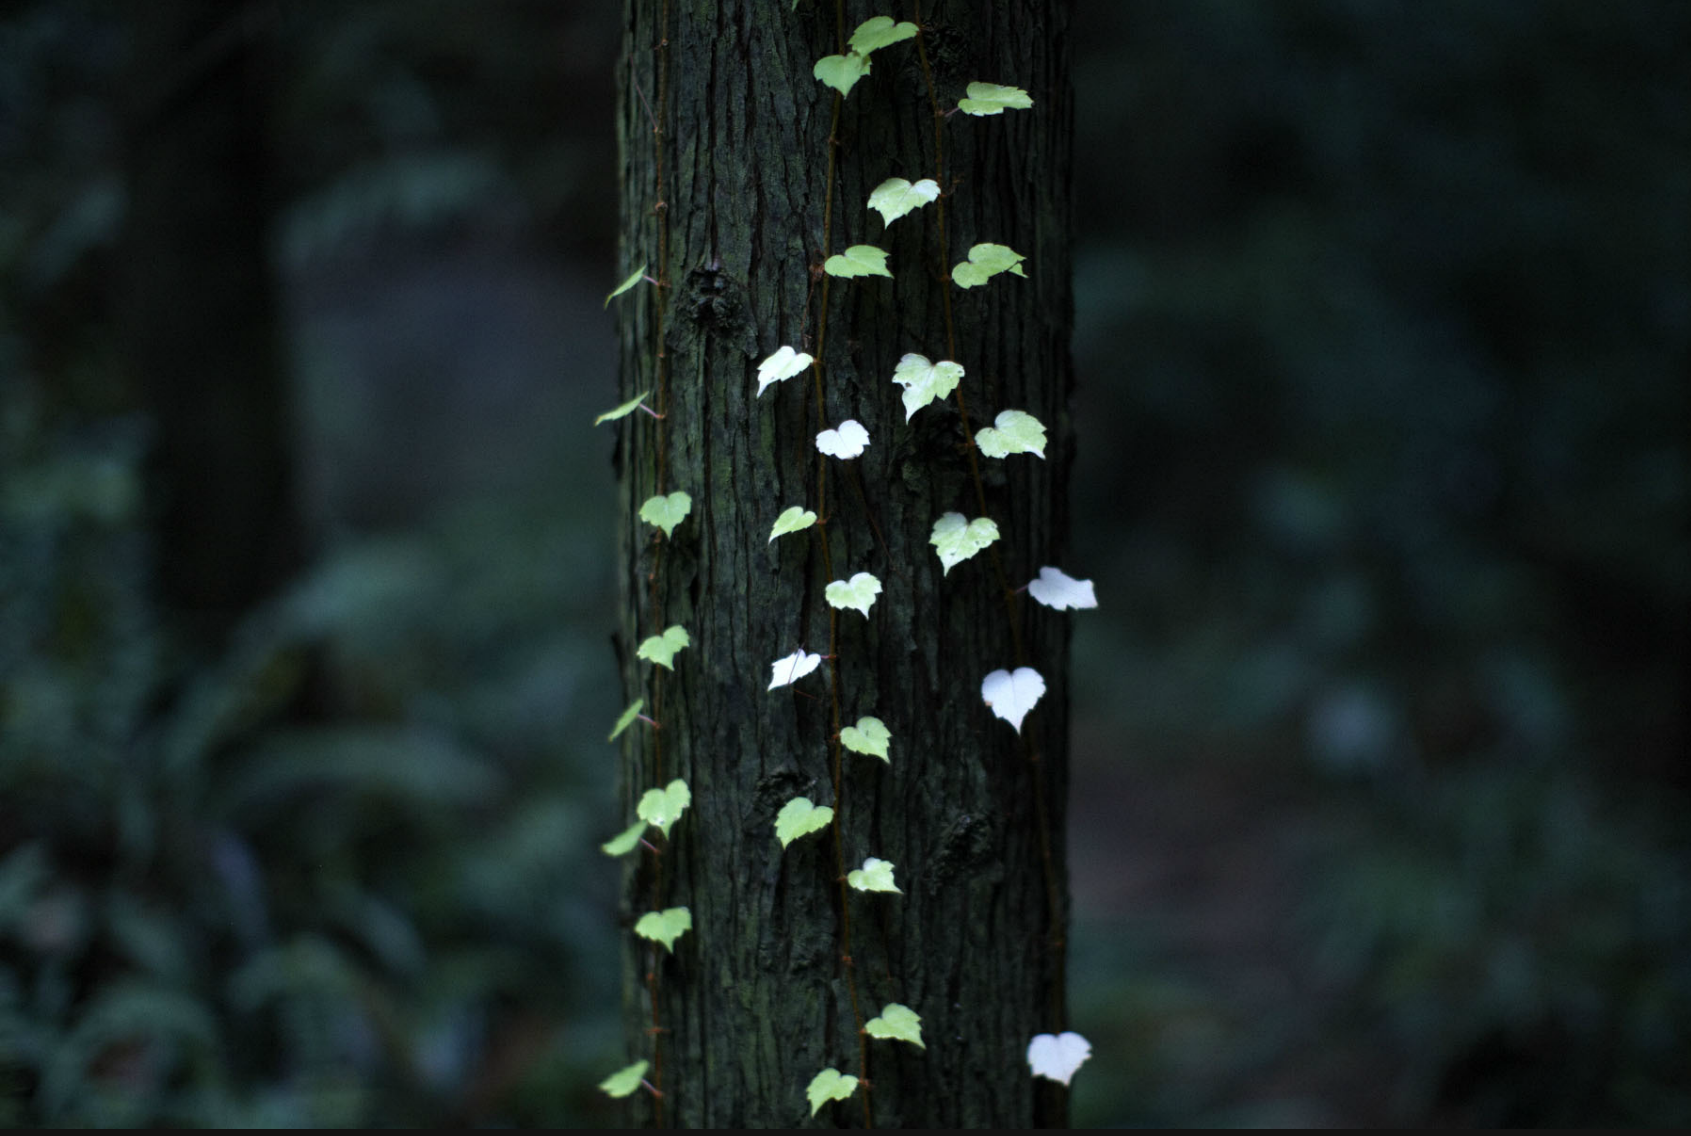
1013	432
784	364
792	668
1057	1056
923	382
858	592
1012	694
845	441
956	538
1055	588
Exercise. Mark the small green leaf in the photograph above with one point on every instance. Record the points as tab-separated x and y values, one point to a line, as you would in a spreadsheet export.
986	261
869	736
627	718
990	98
858	260
779	367
897	1023
633	279
878	31
791	520
624	1081
874	875
923	382
624	842
841	72
895	197
661	649
666	512
957	539
665	926
663	807
624	410
859	592
798	817
830	1084
1013	432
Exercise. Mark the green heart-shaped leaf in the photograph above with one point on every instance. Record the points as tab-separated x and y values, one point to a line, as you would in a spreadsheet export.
666	512
830	1084
895	197
624	1081
874	875
869	736
878	31
665	926
896	1023
663	807
858	260
986	261
841	72
798	817
1013	432
957	539
859	592
792	520
990	98
661	649
923	381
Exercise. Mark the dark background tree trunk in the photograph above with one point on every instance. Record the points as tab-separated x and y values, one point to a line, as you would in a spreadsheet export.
754	1001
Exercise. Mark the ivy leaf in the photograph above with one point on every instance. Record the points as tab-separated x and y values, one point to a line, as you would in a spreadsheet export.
858	260
923	381
830	1084
1056	1056
663	807
869	736
986	261
878	31
1012	695
845	442
1057	589
841	72
624	842
897	1023
895	197
782	365
792	519
874	875
858	592
792	668
624	1081
666	512
990	98
798	817
665	926
1012	432
624	410
661	649
627	718
957	539
633	279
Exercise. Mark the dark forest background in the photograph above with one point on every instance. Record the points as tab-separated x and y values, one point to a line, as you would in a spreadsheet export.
1380	755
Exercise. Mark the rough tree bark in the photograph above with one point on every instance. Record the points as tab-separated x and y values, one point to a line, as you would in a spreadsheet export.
756	999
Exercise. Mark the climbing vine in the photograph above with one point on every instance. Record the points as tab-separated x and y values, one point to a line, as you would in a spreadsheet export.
1011	692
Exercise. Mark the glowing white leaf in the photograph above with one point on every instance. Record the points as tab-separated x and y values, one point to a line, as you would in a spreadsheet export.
895	197
986	261
957	539
923	381
784	364
1057	589
1013	432
1012	695
792	668
845	442
858	592
1057	1056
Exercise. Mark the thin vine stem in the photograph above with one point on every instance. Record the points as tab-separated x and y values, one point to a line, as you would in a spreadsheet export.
1036	765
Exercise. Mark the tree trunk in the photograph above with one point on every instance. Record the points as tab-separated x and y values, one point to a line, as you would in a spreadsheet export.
759	997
